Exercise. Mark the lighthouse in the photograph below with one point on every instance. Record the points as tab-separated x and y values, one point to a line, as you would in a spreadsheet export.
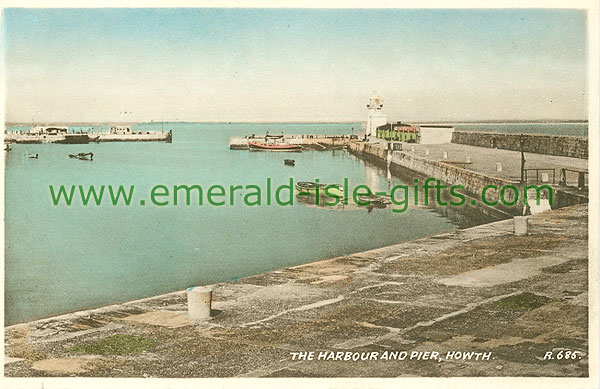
375	117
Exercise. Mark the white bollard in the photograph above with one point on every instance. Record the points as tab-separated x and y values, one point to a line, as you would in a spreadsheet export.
468	159
498	167
427	152
445	155
412	148
520	225
199	303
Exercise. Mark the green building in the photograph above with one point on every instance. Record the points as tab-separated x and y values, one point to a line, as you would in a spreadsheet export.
399	131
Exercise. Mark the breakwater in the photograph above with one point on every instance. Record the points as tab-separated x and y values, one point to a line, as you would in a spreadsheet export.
562	145
139	137
307	142
84	138
473	180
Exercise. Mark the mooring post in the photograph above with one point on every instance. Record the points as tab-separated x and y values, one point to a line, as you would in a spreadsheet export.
581	180
521	144
520	225
199	300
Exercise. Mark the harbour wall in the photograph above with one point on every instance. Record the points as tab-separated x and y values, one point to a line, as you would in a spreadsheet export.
308	142
473	182
562	145
147	137
26	138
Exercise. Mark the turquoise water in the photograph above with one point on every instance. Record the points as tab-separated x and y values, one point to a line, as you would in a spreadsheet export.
60	259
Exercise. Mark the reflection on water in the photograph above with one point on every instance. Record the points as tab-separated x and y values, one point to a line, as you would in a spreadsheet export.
403	198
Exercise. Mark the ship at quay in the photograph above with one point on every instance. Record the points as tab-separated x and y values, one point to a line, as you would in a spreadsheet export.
61	134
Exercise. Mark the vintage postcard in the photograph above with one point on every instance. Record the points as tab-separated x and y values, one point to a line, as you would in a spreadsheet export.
250	194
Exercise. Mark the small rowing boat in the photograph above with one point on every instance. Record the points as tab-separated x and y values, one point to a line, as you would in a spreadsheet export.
83	156
375	200
306	188
255	146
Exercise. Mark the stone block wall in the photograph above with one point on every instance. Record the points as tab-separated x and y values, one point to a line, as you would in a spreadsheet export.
562	145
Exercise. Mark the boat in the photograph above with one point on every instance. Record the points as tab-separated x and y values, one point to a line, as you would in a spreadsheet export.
46	135
126	134
375	201
37	134
289	162
326	203
279	146
307	188
56	134
79	139
83	156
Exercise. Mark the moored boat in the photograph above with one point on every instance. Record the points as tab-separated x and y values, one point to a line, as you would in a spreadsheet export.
74	139
307	188
375	201
55	134
83	156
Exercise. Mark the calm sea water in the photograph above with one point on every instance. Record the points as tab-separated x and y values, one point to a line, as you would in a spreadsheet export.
60	259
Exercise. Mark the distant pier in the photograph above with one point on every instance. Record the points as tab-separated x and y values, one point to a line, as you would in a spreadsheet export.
135	137
476	168
306	141
58	134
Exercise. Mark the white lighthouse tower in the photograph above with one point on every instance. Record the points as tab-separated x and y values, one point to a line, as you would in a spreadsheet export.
375	117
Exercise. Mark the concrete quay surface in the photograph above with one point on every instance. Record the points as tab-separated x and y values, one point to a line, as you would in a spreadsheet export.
510	299
483	160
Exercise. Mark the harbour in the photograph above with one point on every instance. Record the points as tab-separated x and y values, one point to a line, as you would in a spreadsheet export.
442	161
226	196
311	283
200	146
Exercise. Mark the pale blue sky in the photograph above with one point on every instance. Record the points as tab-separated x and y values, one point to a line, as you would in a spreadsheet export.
294	64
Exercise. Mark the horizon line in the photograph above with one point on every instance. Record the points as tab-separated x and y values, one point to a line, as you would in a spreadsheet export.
532	121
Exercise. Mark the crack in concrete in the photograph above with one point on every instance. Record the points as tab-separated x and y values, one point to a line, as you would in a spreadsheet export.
515	270
377	285
307	307
397	332
468	308
53	337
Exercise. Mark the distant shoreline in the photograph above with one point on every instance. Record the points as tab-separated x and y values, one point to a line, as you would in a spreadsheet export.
536	121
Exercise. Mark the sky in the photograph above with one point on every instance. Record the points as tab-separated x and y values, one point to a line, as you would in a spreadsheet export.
109	64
